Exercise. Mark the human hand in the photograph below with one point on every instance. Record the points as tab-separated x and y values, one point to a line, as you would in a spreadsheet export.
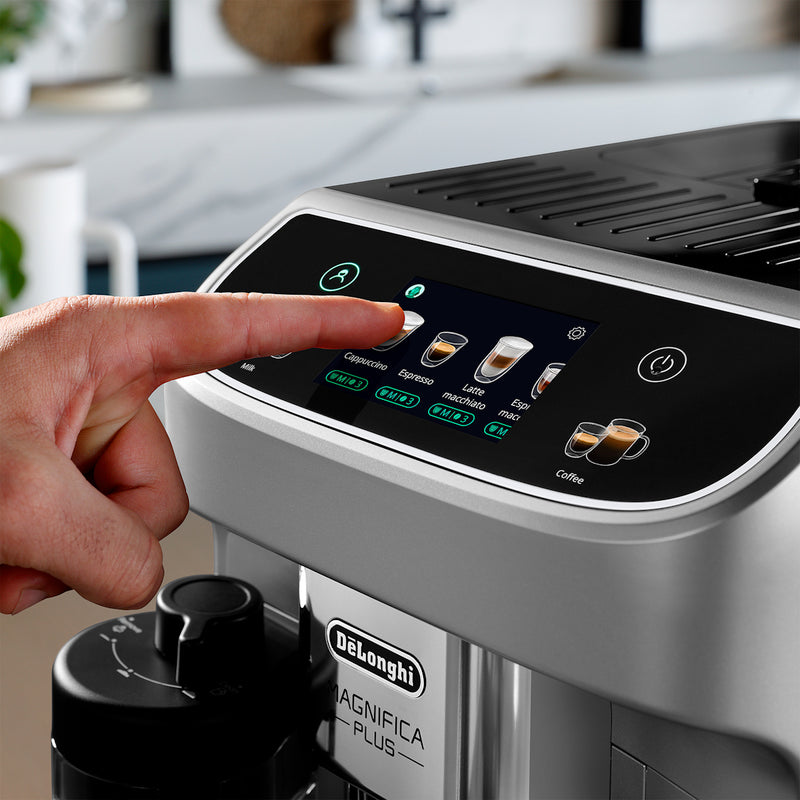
88	480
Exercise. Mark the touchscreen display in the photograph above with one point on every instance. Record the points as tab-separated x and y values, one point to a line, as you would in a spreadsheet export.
463	359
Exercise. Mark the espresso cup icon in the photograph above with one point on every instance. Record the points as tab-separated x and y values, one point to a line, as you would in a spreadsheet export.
503	356
584	438
411	322
444	346
624	439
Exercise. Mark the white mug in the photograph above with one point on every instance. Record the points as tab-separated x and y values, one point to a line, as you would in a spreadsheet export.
46	203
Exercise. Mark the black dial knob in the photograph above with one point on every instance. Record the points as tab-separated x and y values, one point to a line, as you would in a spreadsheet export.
212	628
187	701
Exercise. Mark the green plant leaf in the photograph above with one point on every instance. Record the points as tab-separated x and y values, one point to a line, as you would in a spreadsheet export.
12	278
20	22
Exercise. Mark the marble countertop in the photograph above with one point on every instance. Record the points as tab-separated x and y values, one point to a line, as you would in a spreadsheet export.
209	160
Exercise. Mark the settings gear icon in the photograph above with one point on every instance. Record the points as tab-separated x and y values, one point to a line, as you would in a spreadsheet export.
578	332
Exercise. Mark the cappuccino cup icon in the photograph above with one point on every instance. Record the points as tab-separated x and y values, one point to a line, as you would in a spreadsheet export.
503	356
411	322
444	346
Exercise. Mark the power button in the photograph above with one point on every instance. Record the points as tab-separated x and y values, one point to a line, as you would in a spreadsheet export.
662	364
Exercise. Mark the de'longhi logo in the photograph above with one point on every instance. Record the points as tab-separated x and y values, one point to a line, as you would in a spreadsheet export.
378	659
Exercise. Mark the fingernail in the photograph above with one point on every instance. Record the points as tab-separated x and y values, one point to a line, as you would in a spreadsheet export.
28	598
389	305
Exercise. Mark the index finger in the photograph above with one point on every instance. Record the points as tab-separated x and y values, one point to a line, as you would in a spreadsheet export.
136	344
187	332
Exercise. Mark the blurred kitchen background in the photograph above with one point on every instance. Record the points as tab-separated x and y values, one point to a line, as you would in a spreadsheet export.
194	121
197	120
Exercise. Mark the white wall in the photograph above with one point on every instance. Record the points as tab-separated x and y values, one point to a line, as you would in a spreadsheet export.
473	29
514	27
679	24
112	47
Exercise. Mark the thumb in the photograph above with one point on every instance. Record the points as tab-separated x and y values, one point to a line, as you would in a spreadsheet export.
20	588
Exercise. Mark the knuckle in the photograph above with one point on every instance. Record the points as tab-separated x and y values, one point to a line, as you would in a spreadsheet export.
178	511
134	577
67	309
22	499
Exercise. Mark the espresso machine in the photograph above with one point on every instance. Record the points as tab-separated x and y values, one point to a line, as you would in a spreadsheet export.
545	542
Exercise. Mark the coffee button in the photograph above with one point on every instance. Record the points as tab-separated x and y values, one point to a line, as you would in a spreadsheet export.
662	364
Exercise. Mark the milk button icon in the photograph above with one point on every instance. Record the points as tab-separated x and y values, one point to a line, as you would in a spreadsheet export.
339	276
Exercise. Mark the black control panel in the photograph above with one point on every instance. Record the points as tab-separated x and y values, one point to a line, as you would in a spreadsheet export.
541	377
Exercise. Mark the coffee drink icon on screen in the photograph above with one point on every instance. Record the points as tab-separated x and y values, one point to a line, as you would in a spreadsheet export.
503	356
445	345
546	378
584	438
411	323
608	444
624	439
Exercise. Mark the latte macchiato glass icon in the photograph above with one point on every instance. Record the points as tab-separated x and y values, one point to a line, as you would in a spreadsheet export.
444	346
624	439
584	439
546	378
411	323
503	356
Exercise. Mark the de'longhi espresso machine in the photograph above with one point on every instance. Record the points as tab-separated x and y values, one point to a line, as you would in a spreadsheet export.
543	543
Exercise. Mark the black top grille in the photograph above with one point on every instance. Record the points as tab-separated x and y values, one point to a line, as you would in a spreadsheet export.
725	200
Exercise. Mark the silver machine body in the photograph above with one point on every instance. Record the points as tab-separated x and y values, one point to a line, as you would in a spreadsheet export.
478	635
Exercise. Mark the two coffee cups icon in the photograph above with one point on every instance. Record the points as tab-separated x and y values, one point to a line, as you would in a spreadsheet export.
606	445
